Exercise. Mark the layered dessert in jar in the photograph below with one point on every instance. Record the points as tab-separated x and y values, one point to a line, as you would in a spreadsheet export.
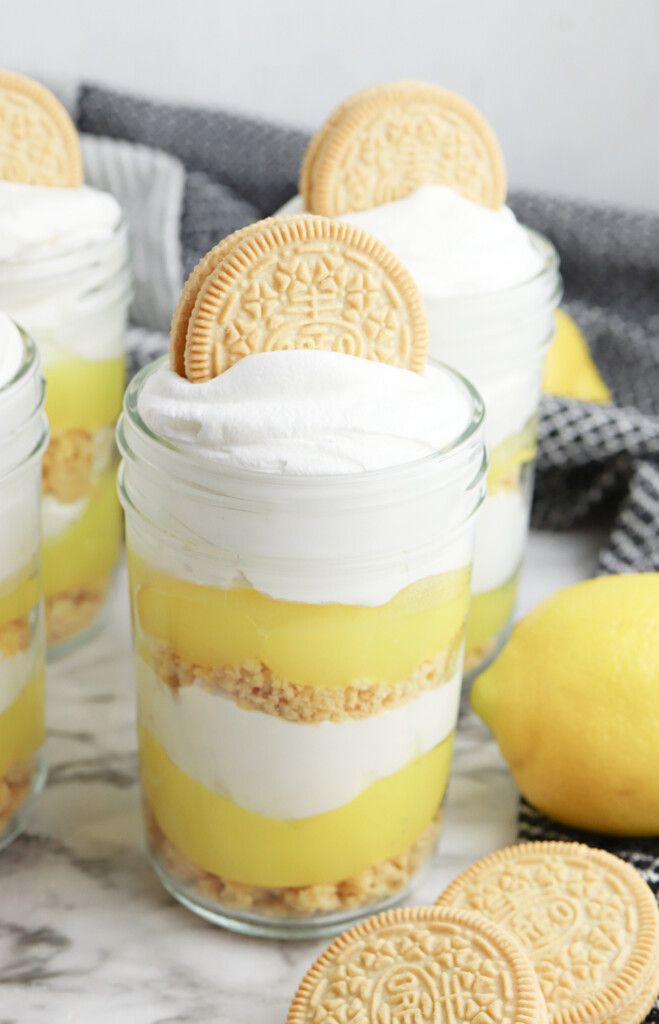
420	169
300	493
23	436
64	278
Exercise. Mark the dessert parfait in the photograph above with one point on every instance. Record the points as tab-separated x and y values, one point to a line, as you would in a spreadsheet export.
23	435
64	277
420	169
300	493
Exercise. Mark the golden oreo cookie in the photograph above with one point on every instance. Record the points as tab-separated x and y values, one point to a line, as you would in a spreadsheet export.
297	282
587	920
420	964
38	141
389	140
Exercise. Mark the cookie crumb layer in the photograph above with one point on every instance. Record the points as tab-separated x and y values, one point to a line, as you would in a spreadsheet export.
255	687
72	611
68	466
15	636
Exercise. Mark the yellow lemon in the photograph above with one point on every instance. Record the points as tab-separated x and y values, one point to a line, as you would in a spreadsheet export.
570	371
573	701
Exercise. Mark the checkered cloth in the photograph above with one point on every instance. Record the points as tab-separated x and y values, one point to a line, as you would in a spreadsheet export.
208	172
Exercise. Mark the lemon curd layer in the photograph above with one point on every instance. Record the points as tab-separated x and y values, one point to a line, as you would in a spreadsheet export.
216	834
87	550
18	596
489	613
324	645
84	394
22	723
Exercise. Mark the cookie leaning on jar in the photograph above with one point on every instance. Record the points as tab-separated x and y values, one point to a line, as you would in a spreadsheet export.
300	494
23	437
420	169
64	277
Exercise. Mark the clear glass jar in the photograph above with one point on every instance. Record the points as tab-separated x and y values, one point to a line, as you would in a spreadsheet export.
499	341
23	438
298	648
75	306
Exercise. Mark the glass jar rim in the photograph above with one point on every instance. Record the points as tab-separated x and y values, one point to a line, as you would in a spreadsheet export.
265	477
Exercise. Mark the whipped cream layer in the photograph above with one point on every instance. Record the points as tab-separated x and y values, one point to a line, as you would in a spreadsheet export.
311	476
271	766
450	245
64	269
500	539
465	259
308	413
12	350
37	222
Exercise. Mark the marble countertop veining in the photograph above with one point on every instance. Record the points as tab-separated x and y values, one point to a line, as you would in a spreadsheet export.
87	933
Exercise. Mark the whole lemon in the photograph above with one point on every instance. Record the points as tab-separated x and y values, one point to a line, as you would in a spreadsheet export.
570	370
573	701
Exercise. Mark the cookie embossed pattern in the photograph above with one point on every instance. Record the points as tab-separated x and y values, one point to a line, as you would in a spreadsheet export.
303	283
420	965
389	140
38	141
300	511
586	919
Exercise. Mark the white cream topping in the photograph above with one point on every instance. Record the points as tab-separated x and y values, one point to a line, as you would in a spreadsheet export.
36	222
500	539
15	673
12	350
63	269
56	515
282	769
450	245
308	413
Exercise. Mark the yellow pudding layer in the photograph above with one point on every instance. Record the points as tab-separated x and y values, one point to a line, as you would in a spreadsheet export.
489	613
221	837
509	456
326	645
87	550
22	724
83	393
18	597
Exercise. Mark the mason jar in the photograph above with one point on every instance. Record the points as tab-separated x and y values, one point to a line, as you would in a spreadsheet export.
499	341
23	438
74	305
298	650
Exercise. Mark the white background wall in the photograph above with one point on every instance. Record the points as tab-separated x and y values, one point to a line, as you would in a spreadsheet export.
571	86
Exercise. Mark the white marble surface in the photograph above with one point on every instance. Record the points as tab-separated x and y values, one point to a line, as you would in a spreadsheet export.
86	932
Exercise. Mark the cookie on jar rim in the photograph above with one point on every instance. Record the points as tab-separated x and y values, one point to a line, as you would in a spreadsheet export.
300	282
39	143
388	140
